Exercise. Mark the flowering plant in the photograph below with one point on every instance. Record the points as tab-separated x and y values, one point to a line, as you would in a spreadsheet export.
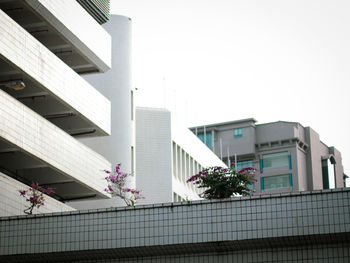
35	196
221	182
117	186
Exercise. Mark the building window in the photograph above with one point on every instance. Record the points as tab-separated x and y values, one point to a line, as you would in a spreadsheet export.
237	133
276	182
243	164
208	139
276	160
328	175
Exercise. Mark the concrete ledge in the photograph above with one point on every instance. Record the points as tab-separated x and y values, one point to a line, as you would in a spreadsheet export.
84	33
41	144
37	63
11	203
203	226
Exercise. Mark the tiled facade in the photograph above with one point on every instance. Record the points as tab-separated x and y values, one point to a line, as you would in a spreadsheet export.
12	205
167	154
50	72
337	253
45	103
61	14
292	227
116	85
50	144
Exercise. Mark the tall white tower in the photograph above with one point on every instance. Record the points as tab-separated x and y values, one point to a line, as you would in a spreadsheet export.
115	85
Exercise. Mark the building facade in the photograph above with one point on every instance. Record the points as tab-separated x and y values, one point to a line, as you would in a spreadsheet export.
45	103
290	157
167	154
119	146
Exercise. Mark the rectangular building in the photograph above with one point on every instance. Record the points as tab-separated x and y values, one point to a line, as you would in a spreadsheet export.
290	157
167	154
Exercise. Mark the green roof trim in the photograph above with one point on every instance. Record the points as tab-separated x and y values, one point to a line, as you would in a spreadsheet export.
98	9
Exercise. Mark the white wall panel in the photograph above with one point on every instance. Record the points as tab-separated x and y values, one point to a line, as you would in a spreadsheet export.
48	71
38	137
71	20
194	146
11	203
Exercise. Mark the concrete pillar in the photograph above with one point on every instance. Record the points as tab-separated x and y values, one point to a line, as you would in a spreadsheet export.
116	86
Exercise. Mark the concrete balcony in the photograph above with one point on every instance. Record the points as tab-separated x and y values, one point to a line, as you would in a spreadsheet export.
52	89
12	204
34	150
64	27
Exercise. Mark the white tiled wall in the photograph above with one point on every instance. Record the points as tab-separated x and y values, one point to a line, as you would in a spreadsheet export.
167	154
271	223
24	51
32	133
194	146
78	27
11	203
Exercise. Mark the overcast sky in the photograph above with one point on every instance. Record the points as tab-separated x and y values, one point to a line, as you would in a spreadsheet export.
220	60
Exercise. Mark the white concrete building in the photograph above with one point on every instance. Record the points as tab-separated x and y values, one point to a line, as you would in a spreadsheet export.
45	104
116	85
167	154
61	125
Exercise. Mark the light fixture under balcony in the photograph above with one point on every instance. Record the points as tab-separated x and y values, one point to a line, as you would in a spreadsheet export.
14	84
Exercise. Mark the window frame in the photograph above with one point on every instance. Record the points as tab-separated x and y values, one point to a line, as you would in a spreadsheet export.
287	164
209	139
239	133
262	182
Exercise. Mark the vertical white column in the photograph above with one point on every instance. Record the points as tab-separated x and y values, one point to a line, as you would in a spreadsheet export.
116	86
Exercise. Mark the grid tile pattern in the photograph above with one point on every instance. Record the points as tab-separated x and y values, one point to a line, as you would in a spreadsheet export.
94	43
308	218
11	203
28	54
337	253
26	129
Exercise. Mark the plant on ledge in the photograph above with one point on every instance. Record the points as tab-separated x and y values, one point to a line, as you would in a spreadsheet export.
35	196
117	186
220	182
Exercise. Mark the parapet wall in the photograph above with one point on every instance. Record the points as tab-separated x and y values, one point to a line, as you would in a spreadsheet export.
298	224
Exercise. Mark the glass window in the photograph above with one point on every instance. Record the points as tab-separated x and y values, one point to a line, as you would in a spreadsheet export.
208	139
275	182
276	160
237	133
243	164
328	176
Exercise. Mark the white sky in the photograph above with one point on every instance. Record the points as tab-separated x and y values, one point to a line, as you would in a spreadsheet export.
219	60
